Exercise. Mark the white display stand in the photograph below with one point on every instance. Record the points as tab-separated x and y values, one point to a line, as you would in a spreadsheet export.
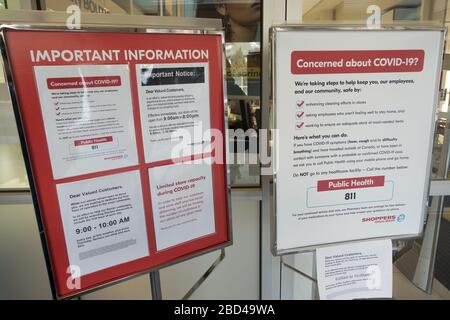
340	95
350	161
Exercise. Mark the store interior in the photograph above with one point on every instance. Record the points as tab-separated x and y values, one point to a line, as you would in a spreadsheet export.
248	270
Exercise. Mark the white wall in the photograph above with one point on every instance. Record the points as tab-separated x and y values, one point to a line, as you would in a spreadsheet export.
23	274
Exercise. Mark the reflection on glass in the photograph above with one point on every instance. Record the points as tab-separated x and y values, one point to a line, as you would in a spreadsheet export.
241	19
244	111
244	115
243	69
391	10
441	139
242	23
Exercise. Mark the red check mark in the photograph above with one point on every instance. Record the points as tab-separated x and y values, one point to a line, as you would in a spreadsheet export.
299	115
300	125
300	103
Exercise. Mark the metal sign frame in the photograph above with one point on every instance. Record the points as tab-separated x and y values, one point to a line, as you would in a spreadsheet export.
145	25
273	186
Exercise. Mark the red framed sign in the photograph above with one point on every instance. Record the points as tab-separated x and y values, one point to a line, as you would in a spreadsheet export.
123	136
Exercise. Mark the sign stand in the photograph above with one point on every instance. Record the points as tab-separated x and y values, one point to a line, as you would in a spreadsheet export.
205	275
127	74
155	280
155	283
311	77
340	185
297	270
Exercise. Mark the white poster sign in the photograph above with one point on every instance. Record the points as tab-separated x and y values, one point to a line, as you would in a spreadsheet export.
104	222
355	111
88	118
173	98
183	204
359	270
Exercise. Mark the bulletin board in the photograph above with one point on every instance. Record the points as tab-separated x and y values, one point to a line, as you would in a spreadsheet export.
123	137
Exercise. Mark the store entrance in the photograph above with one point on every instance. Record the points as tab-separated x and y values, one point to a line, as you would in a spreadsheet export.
425	262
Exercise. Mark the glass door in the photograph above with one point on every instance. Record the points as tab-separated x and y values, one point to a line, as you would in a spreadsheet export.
428	259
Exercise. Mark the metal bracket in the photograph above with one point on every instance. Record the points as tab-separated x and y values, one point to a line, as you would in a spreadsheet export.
155	284
297	271
202	279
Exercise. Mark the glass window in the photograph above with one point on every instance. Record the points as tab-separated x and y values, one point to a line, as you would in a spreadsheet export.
242	24
395	11
391	10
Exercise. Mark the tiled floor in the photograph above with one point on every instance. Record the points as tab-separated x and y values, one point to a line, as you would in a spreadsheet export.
405	290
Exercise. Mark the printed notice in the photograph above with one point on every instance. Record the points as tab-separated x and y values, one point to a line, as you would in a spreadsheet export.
174	103
182	200
355	271
88	117
103	219
356	124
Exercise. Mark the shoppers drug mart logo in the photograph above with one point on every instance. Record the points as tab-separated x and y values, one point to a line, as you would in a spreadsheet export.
386	218
379	219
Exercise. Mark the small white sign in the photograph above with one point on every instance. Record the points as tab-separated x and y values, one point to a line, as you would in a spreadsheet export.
355	122
104	221
183	205
88	118
174	106
355	271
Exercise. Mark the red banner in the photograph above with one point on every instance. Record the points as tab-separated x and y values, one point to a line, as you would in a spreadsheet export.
350	183
361	61
83	82
92	141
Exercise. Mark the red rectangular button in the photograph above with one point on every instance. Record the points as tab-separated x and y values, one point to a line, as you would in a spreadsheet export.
350	183
83	82
92	141
360	61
